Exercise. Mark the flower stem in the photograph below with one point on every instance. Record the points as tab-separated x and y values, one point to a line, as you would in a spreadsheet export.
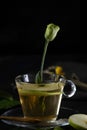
43	59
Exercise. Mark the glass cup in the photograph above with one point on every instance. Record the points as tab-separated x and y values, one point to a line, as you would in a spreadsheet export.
41	102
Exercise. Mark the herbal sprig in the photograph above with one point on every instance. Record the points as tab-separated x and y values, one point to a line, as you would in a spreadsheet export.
50	34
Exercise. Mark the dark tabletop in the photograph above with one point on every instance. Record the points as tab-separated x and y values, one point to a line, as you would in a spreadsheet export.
11	66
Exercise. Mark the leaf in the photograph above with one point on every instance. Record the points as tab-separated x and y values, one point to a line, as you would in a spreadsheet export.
5	95
7	100
5	103
58	128
38	78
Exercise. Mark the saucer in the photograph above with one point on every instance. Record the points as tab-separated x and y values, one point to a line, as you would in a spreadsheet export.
61	121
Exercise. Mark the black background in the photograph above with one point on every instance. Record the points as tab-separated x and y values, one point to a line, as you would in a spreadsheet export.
22	28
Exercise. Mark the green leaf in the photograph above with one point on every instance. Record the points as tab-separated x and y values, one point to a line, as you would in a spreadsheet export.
38	78
5	103
7	100
5	95
58	128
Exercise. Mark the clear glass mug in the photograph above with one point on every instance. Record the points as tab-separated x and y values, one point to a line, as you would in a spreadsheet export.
42	101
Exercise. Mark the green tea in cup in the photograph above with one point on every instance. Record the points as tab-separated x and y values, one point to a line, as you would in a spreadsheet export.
41	101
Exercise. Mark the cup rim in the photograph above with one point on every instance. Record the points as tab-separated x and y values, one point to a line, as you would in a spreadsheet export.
18	79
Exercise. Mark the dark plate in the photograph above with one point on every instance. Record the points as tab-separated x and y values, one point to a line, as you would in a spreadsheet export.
61	121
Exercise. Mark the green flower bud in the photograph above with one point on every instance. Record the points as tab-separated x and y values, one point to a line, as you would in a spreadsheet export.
51	32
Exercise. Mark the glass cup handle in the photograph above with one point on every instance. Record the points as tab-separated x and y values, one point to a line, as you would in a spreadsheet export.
69	89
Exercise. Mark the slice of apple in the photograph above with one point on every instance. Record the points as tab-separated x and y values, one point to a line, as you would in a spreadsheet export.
78	121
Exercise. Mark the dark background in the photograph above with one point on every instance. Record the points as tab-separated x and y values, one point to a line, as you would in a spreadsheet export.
22	28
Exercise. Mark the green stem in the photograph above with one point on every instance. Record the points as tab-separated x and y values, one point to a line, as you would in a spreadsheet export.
43	58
